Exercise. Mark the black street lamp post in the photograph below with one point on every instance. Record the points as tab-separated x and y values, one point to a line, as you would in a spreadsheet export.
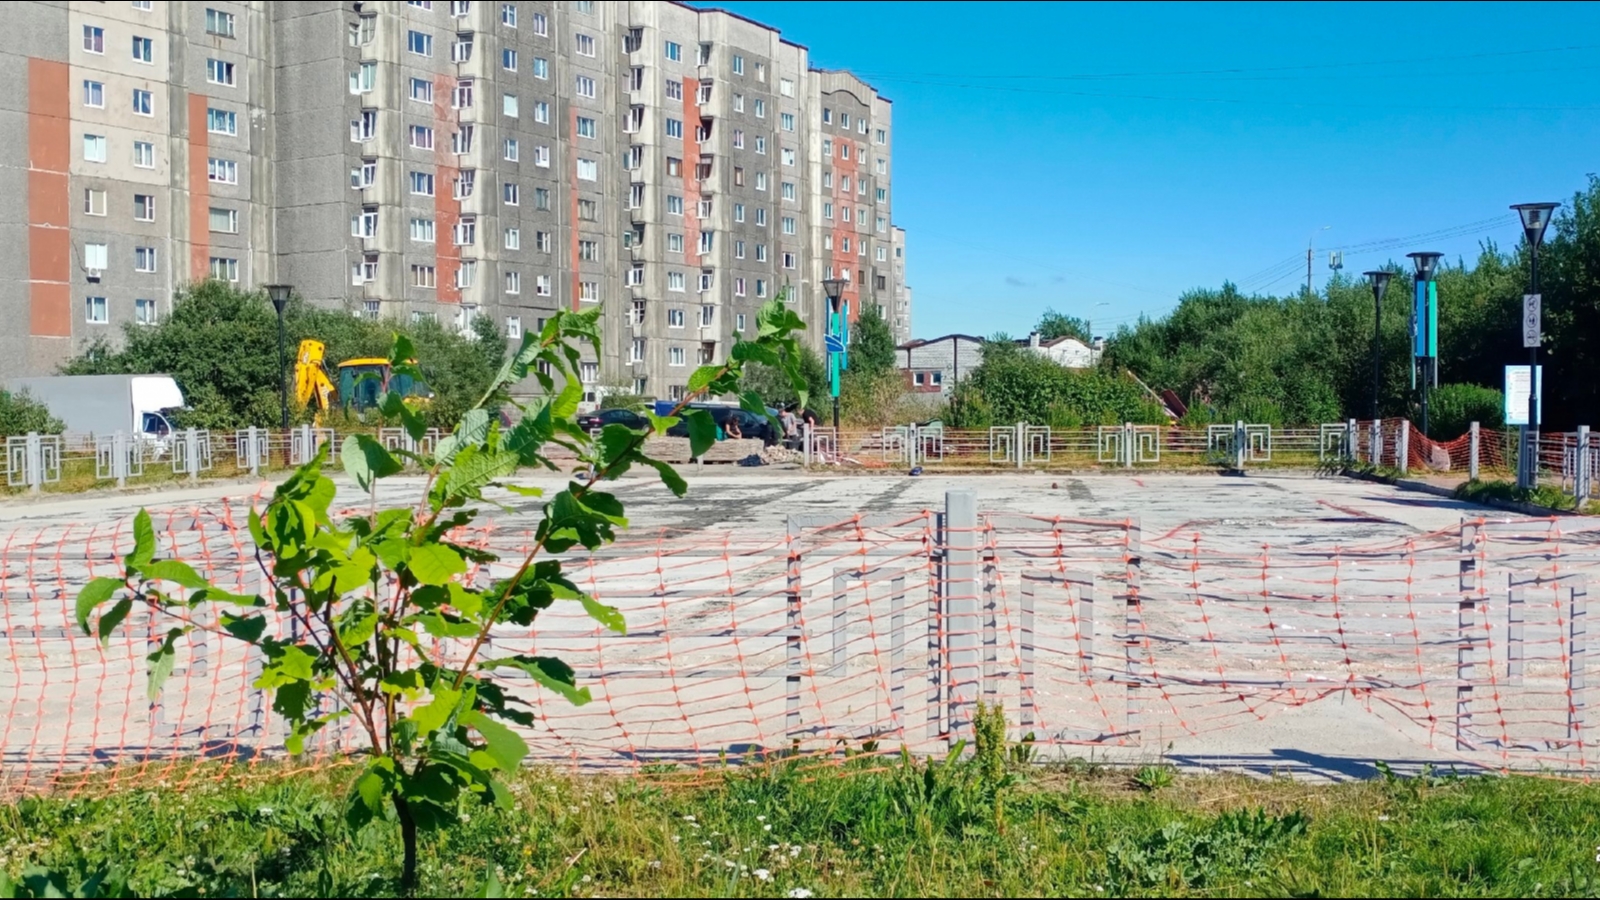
1379	279
834	289
1535	218
280	298
1426	344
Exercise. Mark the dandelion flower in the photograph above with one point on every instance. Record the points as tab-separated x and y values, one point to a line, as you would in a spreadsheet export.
763	874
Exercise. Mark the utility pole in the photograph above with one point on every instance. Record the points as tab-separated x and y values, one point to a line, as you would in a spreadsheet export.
1310	243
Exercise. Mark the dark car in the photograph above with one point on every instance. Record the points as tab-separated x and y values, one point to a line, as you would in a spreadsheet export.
750	425
602	418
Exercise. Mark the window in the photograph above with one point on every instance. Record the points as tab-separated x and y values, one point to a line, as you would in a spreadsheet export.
512	151
94	39
365	128
738	64
738	291
144	312
588	210
738	212
225	268
467	273
222	171
94	94
635	195
844	244
588	251
761	72
761	252
422	230
541	198
541	156
674	356
674	128
761	216
461	48
461	140
513	282
144	49
143	102
510	193
589	291
636	351
788	225
707	240
143	5
883	253
761	108
674	243
466	231
466	180
761	145
738	249
423	276
94	202
508	105
541	285
761	181
588	170
421	137
542	241
363	31
422	90
844	183
221	72
708	315
95	312
586	127
672	51
422	184
827	147
94	148
508	59
514	327
827	210
219	22
788	156
674	318
144	207
883	223
674	205
224	220
674	281
585	86
95	256
508	18
786	121
674	166
883	195
365	223
789	190
513	239
788	260
738	103
844	120
827	179
460	8
420	43
761	287
585	7
541	25
585	44
144	154
541	112
541	67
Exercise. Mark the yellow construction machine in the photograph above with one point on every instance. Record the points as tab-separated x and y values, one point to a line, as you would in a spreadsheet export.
316	391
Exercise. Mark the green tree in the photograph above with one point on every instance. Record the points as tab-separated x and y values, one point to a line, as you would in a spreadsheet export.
871	343
374	595
1054	325
20	414
1014	385
773	384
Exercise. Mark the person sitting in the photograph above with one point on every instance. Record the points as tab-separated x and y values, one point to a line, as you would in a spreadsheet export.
732	429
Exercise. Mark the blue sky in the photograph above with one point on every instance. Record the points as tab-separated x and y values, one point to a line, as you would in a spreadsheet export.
1102	159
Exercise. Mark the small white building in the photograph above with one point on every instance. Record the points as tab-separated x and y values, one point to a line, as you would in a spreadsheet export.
1065	351
934	365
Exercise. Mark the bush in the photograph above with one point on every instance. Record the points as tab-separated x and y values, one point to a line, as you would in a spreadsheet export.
20	414
1013	385
1454	407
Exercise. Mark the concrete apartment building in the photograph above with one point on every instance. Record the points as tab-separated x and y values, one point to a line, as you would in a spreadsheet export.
441	160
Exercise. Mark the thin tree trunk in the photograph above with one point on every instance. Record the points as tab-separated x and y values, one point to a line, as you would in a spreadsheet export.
408	837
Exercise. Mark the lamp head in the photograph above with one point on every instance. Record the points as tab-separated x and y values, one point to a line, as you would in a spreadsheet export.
1426	263
1535	219
279	294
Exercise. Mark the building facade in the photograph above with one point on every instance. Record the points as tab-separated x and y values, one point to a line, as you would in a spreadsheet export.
439	160
937	365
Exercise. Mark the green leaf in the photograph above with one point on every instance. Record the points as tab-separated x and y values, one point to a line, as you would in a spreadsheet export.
669	476
566	403
524	491
491	886
403	352
162	662
112	618
366	460
366	799
608	616
392	552
435	564
245	628
703	377
660	424
93	594
548	671
433	716
174	571
754	351
702	431
475	468
503	745
394	407
144	540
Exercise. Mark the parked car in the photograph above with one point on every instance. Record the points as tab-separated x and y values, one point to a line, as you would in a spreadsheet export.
602	418
750	425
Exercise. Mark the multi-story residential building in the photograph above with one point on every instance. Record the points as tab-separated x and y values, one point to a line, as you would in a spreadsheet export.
444	161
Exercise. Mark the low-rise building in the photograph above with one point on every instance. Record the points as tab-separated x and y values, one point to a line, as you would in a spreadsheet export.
936	365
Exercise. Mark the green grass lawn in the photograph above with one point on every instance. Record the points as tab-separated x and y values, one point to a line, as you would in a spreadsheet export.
874	826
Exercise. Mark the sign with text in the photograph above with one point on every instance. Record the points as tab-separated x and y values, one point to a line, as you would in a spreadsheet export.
1517	393
1531	330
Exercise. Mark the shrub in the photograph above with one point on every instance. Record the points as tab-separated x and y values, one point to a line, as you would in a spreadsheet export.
20	414
1454	407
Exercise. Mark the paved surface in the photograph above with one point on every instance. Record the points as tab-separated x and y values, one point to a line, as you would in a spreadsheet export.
1222	678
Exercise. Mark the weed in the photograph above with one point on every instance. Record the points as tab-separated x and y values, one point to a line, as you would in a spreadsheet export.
1152	778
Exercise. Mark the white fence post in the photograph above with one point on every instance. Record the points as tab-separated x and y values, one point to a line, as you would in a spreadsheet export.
33	464
961	606
1403	450
1582	485
1021	444
191	453
1240	444
1352	441
253	445
1472	452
